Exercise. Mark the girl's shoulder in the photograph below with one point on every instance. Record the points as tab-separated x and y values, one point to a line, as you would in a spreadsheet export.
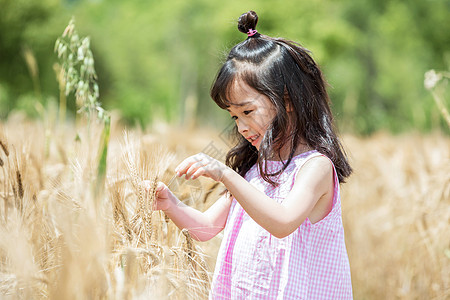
314	162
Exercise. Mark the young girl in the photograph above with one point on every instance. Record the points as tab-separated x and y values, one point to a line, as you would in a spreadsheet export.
283	233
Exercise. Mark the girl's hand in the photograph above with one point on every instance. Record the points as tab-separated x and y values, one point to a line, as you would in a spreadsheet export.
164	198
202	165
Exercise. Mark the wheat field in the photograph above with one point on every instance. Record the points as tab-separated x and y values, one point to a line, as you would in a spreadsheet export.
61	237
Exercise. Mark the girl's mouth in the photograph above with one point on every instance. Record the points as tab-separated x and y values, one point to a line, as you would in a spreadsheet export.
253	139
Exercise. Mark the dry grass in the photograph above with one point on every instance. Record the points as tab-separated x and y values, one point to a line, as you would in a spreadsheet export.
397	216
58	241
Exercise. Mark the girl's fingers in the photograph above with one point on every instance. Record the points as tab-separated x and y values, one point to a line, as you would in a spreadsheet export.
162	191
200	165
198	173
184	166
160	186
193	168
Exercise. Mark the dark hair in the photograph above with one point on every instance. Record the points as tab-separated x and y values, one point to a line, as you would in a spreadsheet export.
285	72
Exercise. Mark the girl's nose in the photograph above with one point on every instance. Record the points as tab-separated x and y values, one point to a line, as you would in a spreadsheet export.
242	126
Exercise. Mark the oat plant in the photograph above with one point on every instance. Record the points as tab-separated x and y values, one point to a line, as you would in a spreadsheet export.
77	75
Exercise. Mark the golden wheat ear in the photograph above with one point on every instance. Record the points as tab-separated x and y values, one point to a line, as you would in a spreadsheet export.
4	148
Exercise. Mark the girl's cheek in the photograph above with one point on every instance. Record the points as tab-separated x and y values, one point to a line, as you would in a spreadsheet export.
263	124
257	121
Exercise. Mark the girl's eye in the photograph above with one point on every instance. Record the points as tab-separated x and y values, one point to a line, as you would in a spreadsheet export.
247	112
234	118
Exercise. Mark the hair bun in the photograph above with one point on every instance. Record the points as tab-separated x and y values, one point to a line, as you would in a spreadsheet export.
247	21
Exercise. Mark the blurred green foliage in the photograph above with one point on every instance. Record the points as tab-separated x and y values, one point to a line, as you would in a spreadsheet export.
157	59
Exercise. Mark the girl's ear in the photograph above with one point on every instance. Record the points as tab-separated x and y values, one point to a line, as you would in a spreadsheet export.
287	101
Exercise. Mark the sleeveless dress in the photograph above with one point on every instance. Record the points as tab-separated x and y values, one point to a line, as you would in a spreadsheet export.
310	263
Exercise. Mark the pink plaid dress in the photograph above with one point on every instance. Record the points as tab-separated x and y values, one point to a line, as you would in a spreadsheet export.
310	263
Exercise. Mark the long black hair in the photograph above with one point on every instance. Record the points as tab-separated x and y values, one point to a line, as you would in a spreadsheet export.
285	72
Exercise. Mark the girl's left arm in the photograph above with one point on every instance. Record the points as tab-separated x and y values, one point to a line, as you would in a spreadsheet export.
312	190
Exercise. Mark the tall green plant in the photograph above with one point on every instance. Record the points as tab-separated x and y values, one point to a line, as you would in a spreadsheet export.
436	83
78	76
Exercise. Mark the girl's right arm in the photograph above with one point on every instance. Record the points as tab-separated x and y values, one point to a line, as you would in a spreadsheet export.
201	225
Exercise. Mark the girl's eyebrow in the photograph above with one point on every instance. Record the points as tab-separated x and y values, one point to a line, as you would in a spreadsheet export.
240	104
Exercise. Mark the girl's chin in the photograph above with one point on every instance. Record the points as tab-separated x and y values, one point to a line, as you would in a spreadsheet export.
257	142
257	145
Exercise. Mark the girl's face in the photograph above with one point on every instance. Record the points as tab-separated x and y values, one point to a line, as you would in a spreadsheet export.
253	112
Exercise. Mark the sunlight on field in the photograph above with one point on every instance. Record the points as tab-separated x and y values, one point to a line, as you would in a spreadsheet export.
62	239
396	209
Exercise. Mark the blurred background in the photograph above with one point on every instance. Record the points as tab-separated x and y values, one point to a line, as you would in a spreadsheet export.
157	59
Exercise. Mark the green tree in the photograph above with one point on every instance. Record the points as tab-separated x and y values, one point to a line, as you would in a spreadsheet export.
158	58
27	29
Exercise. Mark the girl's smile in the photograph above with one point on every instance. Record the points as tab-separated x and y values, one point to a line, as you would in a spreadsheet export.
254	140
252	111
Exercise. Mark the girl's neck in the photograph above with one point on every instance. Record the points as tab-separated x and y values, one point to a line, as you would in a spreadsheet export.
301	148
